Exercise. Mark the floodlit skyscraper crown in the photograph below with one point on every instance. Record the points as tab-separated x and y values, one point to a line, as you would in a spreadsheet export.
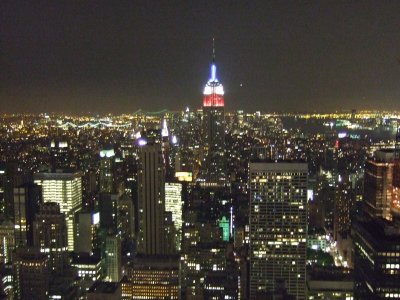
213	91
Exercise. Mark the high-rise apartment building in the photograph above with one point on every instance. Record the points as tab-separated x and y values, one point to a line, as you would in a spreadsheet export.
151	196
214	168
278	227
50	236
64	188
345	200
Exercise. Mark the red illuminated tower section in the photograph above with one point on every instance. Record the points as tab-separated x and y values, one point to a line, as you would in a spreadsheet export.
213	91
213	165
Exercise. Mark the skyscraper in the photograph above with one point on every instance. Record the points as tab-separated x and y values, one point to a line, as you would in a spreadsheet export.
378	184
278	227
31	276
106	170
151	195
64	188
376	259
126	221
345	199
27	199
108	209
113	258
214	168
376	232
50	236
86	226
173	204
7	241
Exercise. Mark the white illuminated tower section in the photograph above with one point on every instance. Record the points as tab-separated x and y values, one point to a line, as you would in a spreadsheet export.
278	228
173	204
214	170
65	189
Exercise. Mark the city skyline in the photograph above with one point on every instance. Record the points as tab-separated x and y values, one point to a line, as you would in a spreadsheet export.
204	150
86	58
102	198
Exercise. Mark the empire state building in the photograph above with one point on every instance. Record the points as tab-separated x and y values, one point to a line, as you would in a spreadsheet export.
214	165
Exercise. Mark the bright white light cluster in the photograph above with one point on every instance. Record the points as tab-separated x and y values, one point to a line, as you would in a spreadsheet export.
212	88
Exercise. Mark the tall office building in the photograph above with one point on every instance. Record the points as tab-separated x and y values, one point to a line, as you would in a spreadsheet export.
173	204
113	258
31	276
10	177
376	233
151	195
7	241
396	173
27	199
378	184
64	188
376	259
214	129
106	170
59	153
50	236
86	226
126	221
278	228
108	209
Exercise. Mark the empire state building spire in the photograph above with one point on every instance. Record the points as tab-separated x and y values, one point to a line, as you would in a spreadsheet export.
213	55
213	91
214	165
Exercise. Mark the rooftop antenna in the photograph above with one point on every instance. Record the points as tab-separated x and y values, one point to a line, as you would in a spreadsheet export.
213	54
213	67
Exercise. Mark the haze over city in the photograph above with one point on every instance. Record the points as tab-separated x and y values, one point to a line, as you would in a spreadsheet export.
243	150
106	57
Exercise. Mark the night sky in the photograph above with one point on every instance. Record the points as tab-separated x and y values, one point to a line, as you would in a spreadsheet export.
119	56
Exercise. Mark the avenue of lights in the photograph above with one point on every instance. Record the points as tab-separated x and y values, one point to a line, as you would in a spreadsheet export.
307	174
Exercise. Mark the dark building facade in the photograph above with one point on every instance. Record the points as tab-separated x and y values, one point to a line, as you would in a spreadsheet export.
376	259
